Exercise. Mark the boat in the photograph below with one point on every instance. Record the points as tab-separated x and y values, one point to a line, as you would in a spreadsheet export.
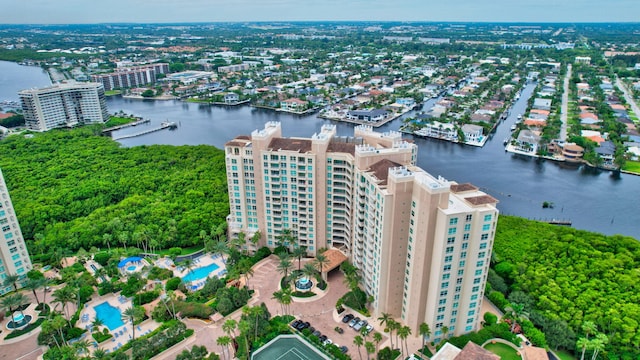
506	141
519	116
513	127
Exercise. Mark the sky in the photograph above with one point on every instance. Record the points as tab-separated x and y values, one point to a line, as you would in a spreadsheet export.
163	11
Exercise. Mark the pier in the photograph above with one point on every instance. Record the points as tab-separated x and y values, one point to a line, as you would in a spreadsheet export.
123	126
164	125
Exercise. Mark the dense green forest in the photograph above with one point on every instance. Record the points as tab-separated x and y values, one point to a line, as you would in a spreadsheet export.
74	188
575	276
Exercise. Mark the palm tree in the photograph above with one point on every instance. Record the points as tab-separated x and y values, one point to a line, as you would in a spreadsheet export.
377	337
299	252
287	299
133	314
11	279
96	323
370	349
403	333
204	236
229	327
598	344
244	328
309	270
45	285
583	343
63	296
284	265
321	261
99	354
277	296
425	332
13	301
517	313
357	341
386	320
223	342
34	285
82	346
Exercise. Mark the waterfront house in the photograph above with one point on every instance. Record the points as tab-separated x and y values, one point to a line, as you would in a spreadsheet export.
472	133
606	151
231	98
436	129
293	104
527	141
572	152
406	102
371	115
543	104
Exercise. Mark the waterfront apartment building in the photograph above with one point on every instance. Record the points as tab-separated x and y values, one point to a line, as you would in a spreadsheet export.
422	243
132	76
14	257
64	105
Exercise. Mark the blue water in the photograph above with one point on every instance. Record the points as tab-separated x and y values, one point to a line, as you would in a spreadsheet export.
200	273
110	316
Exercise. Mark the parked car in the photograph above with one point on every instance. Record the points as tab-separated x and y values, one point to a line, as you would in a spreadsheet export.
295	323
316	333
354	321
359	325
344	349
312	329
338	329
327	342
322	338
302	325
347	318
369	328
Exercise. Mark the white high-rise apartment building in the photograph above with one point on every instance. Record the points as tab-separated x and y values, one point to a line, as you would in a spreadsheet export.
422	243
14	257
64	105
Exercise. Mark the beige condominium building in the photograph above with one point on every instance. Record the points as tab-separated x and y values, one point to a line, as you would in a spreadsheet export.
422	243
14	257
64	105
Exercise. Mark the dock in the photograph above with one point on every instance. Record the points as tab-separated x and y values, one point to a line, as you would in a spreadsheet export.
123	126
163	125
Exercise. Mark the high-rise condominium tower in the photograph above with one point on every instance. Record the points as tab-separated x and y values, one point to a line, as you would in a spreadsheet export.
422	243
64	105
14	257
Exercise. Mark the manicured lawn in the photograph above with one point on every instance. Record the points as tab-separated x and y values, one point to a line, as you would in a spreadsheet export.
564	355
185	251
112	92
633	166
117	120
504	351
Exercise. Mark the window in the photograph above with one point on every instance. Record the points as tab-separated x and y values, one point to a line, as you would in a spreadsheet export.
486	227
487	217
453	221
471	313
445	276
448	259
483	245
441	309
452	231
465	237
450	249
480	263
451	240
475	288
467	227
444	285
465	245
469	217
484	236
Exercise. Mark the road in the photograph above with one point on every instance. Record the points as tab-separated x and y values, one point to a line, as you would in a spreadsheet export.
628	97
564	109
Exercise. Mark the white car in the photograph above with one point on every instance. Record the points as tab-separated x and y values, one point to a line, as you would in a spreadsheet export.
327	342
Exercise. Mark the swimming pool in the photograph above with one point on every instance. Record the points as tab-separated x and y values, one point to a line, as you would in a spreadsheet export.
110	316
200	273
131	268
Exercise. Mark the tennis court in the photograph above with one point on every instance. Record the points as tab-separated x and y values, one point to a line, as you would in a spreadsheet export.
288	347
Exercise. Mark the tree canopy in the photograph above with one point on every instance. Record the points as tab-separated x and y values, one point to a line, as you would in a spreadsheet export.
70	188
574	276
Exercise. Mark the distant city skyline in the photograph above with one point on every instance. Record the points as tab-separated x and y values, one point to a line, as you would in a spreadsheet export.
172	11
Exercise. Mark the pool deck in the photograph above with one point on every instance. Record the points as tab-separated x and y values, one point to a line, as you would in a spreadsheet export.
200	262
121	334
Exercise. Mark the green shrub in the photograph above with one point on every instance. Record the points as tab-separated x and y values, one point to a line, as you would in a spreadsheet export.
145	297
490	319
101	336
173	283
102	258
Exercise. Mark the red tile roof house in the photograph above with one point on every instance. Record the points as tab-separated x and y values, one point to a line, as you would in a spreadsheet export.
293	104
